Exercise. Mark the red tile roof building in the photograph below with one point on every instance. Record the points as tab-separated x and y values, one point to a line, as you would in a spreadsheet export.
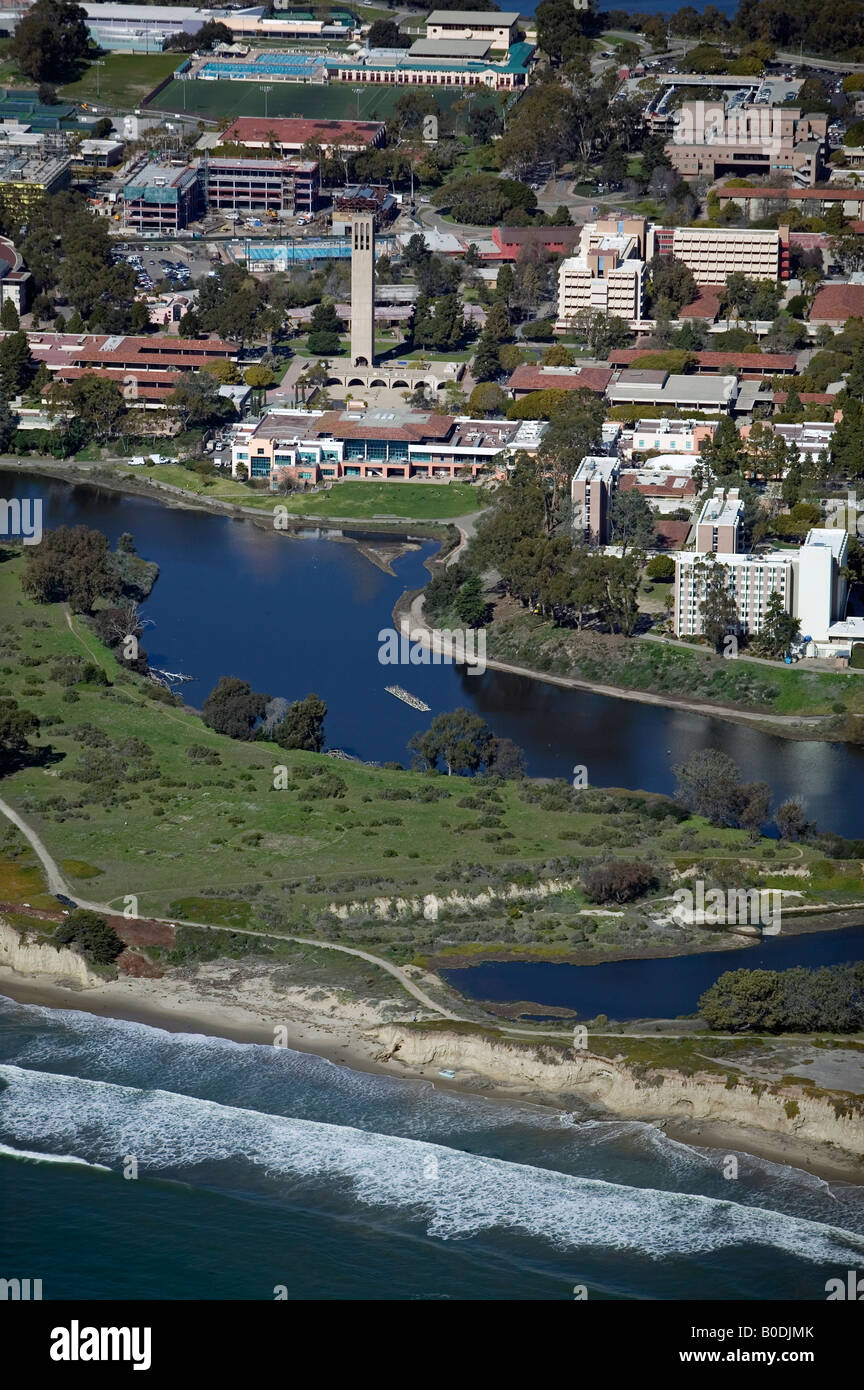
531	377
834	304
512	241
149	366
290	134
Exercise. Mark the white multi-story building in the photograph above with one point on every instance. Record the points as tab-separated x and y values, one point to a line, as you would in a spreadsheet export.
607	277
809	581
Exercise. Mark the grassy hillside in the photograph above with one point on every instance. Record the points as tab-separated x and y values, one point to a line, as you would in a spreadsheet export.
158	806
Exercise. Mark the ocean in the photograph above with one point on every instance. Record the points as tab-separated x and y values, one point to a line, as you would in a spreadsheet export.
264	1172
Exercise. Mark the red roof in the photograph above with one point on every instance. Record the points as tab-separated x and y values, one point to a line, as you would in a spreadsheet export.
837	303
672	535
705	306
670	485
294	130
147	354
807	397
153	387
762	362
429	425
530	377
536	236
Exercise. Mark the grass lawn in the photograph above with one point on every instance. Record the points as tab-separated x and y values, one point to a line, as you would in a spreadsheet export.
363	500
336	101
125	80
368	500
206	837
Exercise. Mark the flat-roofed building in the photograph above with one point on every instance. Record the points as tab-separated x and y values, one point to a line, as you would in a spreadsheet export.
98	154
591	491
498	29
712	138
684	437
161	198
262	185
382	65
721	523
650	388
378	443
27	178
811	581
606	277
713	253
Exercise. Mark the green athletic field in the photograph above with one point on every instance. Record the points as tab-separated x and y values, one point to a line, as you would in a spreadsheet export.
339	101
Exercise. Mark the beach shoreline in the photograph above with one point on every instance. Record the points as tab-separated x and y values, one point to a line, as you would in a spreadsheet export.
347	1042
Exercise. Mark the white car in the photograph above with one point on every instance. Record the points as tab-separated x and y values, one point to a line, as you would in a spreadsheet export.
138	461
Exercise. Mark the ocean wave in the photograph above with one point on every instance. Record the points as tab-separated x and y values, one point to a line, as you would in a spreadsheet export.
454	1194
33	1156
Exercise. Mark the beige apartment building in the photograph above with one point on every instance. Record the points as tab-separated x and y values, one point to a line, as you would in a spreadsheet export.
712	253
591	491
713	138
498	30
607	276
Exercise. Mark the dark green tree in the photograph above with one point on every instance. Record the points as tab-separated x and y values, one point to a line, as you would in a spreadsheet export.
233	708
460	741
779	628
51	41
70	564
96	940
15	726
302	725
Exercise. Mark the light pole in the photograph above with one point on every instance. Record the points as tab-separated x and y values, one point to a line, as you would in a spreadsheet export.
265	90
98	63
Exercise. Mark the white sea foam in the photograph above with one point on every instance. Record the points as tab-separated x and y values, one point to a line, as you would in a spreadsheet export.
454	1193
32	1156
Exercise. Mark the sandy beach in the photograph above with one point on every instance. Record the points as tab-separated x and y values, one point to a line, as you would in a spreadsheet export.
348	1038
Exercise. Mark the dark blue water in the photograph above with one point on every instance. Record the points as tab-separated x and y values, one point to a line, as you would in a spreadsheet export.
294	615
620	989
260	1167
661	7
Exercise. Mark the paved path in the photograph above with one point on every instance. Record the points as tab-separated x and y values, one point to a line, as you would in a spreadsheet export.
422	631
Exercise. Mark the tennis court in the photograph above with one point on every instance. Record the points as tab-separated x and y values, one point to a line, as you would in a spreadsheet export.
338	101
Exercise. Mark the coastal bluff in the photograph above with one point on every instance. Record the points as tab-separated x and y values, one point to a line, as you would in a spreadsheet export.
31	955
634	1092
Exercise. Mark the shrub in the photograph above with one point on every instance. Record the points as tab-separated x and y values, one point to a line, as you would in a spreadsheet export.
617	880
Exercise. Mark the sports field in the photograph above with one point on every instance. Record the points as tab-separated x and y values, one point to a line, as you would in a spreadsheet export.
339	101
122	79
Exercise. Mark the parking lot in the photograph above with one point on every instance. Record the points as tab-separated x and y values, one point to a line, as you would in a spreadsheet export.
172	261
